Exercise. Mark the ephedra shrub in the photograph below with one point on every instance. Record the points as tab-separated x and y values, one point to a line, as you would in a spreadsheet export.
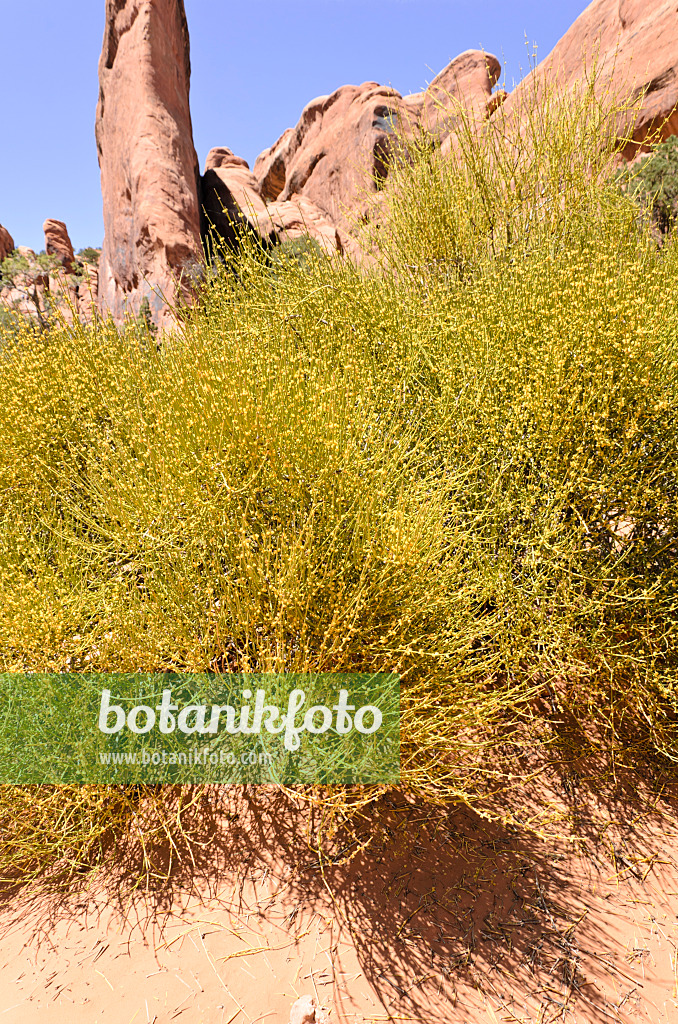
555	369
458	464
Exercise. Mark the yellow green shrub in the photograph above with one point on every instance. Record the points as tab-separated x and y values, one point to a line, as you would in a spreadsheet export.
459	465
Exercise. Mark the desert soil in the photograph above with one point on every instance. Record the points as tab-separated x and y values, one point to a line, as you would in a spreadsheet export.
452	919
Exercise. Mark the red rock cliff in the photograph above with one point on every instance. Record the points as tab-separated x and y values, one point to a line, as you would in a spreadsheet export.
149	168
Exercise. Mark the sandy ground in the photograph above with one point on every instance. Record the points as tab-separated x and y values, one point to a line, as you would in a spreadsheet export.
455	920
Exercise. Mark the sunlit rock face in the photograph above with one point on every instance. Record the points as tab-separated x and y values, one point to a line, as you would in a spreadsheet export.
633	45
6	242
58	243
149	168
338	152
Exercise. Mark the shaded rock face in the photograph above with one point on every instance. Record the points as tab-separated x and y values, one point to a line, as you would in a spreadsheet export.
6	242
232	201
338	148
58	243
149	168
635	46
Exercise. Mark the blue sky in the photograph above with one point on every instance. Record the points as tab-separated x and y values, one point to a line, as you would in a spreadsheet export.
256	63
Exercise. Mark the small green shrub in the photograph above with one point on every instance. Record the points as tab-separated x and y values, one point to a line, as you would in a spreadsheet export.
89	255
654	184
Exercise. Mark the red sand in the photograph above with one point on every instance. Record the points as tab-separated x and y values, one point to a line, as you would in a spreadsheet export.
459	921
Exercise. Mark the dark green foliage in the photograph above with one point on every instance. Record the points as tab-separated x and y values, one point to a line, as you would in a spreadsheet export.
145	312
142	325
89	255
654	184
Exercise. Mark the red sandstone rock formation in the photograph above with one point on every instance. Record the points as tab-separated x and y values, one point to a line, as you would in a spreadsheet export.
299	216
230	196
232	200
635	46
6	242
47	294
149	168
337	155
495	101
58	243
27	292
467	80
88	293
341	143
